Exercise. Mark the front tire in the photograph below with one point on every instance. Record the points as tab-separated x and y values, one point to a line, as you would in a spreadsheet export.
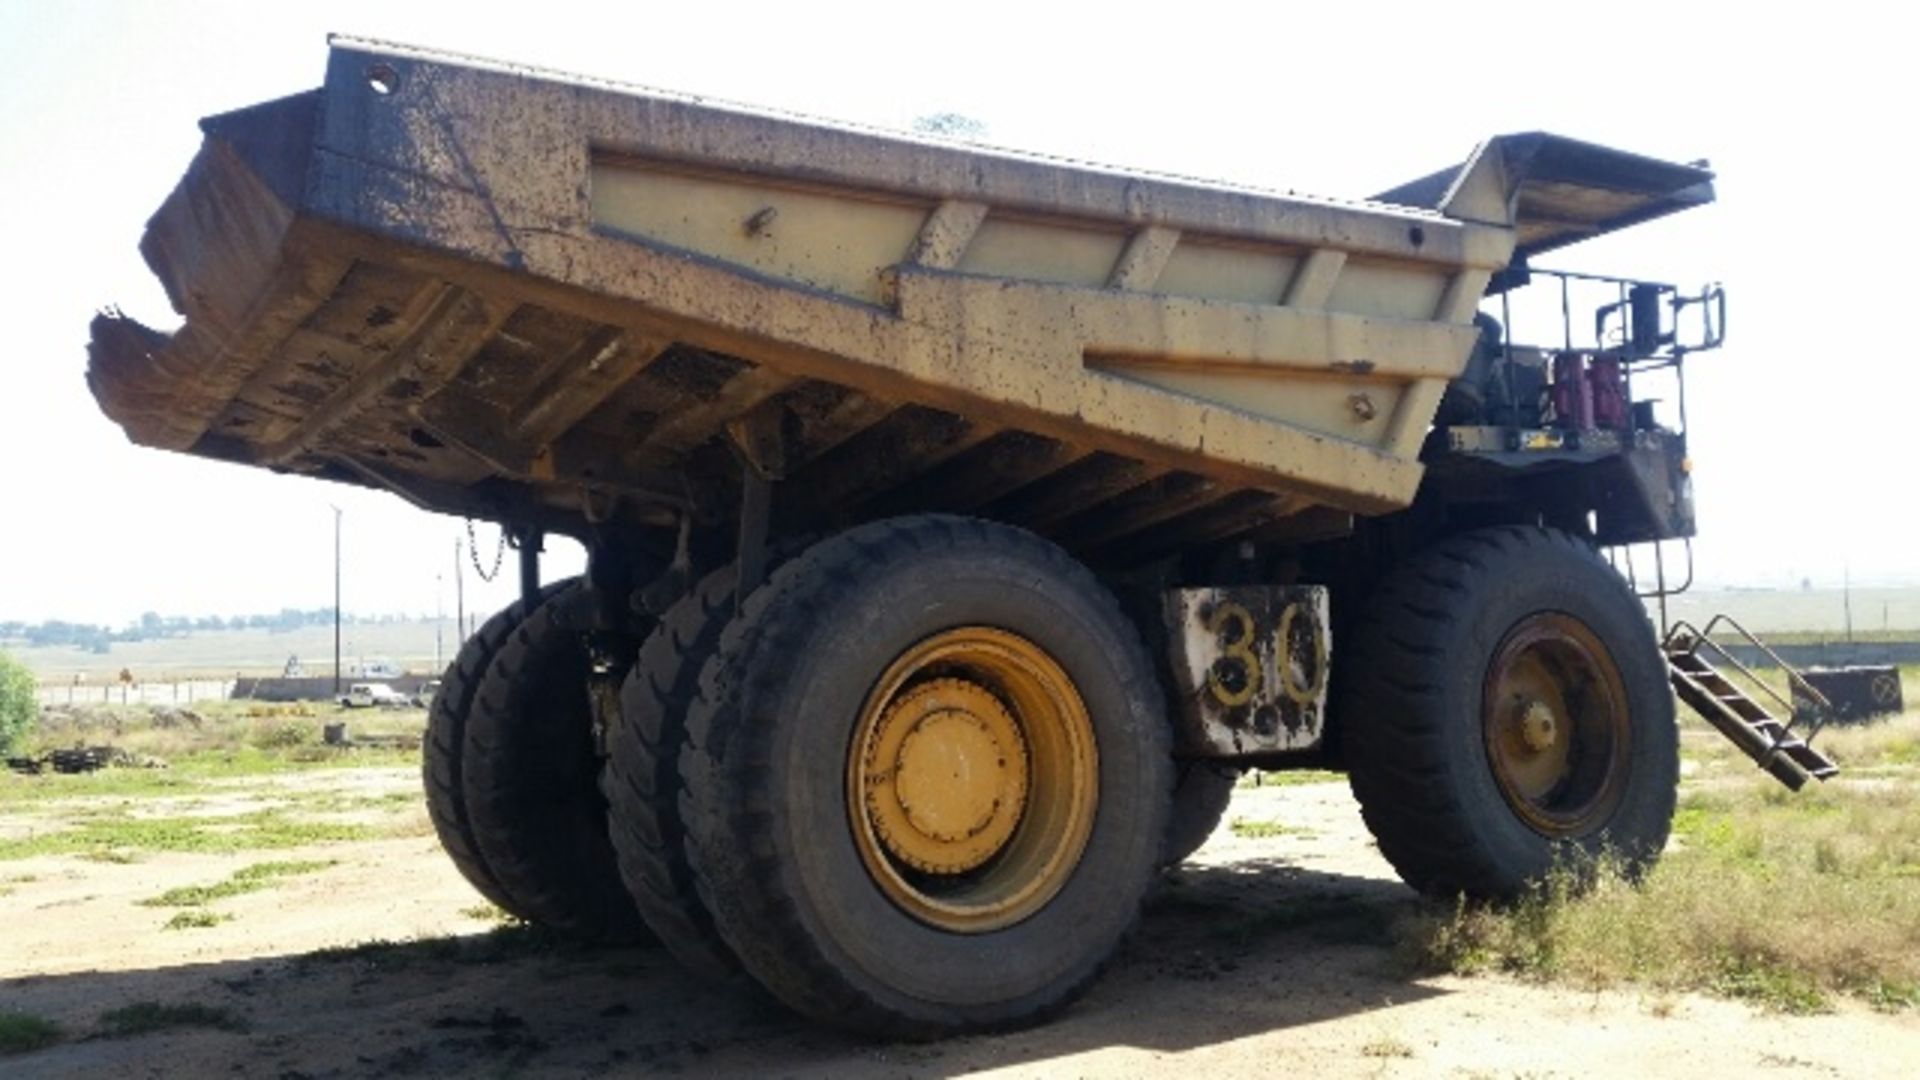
1506	709
927	779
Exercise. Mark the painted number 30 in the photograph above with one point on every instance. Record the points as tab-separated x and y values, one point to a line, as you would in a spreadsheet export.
1235	677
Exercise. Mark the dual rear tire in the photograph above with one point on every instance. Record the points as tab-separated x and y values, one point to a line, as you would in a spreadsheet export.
510	767
920	784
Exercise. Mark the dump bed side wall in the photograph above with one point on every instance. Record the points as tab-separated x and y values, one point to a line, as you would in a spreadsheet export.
611	192
566	288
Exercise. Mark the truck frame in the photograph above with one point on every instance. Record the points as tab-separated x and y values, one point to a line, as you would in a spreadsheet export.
960	523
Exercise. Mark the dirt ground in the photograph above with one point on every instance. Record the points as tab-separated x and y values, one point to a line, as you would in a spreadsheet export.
1263	954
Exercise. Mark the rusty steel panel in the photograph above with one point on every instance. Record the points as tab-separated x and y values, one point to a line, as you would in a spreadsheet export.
1251	665
1858	694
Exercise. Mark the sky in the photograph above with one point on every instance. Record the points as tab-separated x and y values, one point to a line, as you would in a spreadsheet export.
1802	427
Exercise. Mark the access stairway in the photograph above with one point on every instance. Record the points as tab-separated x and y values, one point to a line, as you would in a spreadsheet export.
1752	726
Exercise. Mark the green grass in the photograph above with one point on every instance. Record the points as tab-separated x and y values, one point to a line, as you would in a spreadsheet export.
23	1033
1781	899
1838	635
265	872
195	919
329	803
1290	778
1890	743
245	880
143	1017
194	772
107	835
1250	829
229	740
489	913
1386	1046
514	940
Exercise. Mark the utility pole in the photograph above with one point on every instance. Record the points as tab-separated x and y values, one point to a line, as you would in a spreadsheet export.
1846	598
439	619
459	598
336	600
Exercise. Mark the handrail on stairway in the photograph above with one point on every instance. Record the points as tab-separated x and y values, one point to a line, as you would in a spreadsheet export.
1683	630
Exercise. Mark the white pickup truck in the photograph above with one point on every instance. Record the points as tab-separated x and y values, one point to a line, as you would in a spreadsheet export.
371	695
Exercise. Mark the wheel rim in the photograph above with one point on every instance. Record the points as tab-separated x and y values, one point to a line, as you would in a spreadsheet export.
1556	722
972	780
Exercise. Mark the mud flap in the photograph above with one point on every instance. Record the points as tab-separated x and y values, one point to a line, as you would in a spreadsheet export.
1250	667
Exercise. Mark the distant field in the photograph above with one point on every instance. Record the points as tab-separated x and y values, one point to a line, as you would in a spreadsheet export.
1877	612
249	652
1790	615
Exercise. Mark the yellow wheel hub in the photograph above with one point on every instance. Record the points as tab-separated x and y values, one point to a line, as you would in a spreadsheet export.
1556	723
972	779
947	776
1538	727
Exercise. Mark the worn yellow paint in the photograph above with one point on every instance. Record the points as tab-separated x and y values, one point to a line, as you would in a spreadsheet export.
1217	271
1144	259
1125	326
1392	290
1043	251
1312	284
971	794
1412	414
948	230
821	239
945	776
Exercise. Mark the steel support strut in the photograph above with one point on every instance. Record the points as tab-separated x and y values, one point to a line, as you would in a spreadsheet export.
529	541
759	442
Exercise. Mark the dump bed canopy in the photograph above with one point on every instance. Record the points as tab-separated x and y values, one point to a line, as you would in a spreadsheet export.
1563	190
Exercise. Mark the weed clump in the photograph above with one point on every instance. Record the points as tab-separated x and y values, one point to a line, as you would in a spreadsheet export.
279	734
23	1033
143	1017
244	880
1764	896
1264	830
195	919
109	836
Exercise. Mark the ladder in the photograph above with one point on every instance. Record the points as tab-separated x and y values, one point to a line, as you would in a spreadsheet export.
1762	735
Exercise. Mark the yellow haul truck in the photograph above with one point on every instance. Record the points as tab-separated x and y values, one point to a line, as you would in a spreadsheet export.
960	523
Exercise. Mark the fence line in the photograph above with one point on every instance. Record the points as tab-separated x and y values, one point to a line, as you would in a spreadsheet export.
188	691
1831	653
182	692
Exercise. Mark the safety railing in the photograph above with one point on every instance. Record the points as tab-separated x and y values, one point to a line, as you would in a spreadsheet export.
1685	638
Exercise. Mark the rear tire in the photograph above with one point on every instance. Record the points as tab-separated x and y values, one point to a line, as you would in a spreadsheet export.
1200	798
1506	710
441	770
642	777
1010	659
531	783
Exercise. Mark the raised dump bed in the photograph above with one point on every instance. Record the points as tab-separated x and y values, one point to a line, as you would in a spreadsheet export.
512	294
959	523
